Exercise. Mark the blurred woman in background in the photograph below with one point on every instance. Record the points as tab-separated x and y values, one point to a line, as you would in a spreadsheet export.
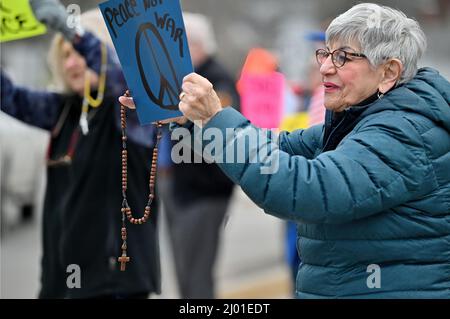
83	199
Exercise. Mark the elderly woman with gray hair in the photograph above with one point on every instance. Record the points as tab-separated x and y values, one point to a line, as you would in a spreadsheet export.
370	189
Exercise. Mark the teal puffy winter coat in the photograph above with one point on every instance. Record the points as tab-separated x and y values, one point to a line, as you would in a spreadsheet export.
374	214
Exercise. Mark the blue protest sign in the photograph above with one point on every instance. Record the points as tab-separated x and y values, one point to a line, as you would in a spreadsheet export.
150	40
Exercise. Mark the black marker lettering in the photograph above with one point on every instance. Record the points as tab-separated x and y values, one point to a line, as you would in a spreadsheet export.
116	13
179	37
123	13
109	18
160	22
151	3
168	24
116	17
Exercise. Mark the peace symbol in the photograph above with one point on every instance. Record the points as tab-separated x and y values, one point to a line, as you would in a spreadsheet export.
153	60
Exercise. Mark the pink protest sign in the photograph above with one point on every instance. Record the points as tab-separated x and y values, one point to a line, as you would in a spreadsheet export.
262	98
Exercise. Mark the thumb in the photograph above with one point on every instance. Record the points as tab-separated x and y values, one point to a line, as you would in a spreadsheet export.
127	101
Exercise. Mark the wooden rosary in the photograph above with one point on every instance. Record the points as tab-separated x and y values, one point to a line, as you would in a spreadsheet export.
126	210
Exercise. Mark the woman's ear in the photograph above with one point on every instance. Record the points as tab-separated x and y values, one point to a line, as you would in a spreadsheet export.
393	70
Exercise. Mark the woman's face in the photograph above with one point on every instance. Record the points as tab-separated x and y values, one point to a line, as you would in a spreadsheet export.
74	68
350	84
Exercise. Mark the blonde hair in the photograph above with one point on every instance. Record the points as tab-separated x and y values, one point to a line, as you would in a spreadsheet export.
91	21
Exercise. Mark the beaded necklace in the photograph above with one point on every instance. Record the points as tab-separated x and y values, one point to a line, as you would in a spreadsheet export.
85	116
126	210
88	100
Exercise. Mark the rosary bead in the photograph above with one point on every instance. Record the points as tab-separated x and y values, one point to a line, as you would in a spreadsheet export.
152	180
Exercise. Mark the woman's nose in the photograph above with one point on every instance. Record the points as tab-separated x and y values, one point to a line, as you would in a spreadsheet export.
327	67
70	63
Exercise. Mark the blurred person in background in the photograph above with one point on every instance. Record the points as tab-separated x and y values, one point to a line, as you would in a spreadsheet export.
196	195
82	210
370	188
316	109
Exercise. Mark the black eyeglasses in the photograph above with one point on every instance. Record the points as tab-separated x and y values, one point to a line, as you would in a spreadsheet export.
338	57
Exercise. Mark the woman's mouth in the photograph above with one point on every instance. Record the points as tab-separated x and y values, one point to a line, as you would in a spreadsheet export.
330	87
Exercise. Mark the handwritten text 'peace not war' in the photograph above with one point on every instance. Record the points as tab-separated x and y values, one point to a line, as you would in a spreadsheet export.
126	10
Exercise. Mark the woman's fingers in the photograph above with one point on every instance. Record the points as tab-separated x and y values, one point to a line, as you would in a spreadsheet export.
181	120
198	101
127	101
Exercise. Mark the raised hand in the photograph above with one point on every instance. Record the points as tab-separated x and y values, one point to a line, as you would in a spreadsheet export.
53	14
199	101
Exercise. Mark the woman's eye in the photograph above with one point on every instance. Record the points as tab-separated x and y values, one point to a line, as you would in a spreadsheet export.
341	58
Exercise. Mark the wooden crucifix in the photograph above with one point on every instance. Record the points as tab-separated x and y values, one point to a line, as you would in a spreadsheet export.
123	260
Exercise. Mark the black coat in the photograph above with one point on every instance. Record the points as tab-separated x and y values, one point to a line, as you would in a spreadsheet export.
194	181
82	211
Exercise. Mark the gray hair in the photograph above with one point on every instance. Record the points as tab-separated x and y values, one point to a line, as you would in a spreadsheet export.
199	29
382	33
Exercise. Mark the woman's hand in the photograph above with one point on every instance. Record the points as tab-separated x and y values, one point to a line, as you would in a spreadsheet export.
53	14
128	102
198	100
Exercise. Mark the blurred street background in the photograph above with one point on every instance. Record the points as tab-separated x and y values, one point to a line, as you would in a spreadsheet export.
252	262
